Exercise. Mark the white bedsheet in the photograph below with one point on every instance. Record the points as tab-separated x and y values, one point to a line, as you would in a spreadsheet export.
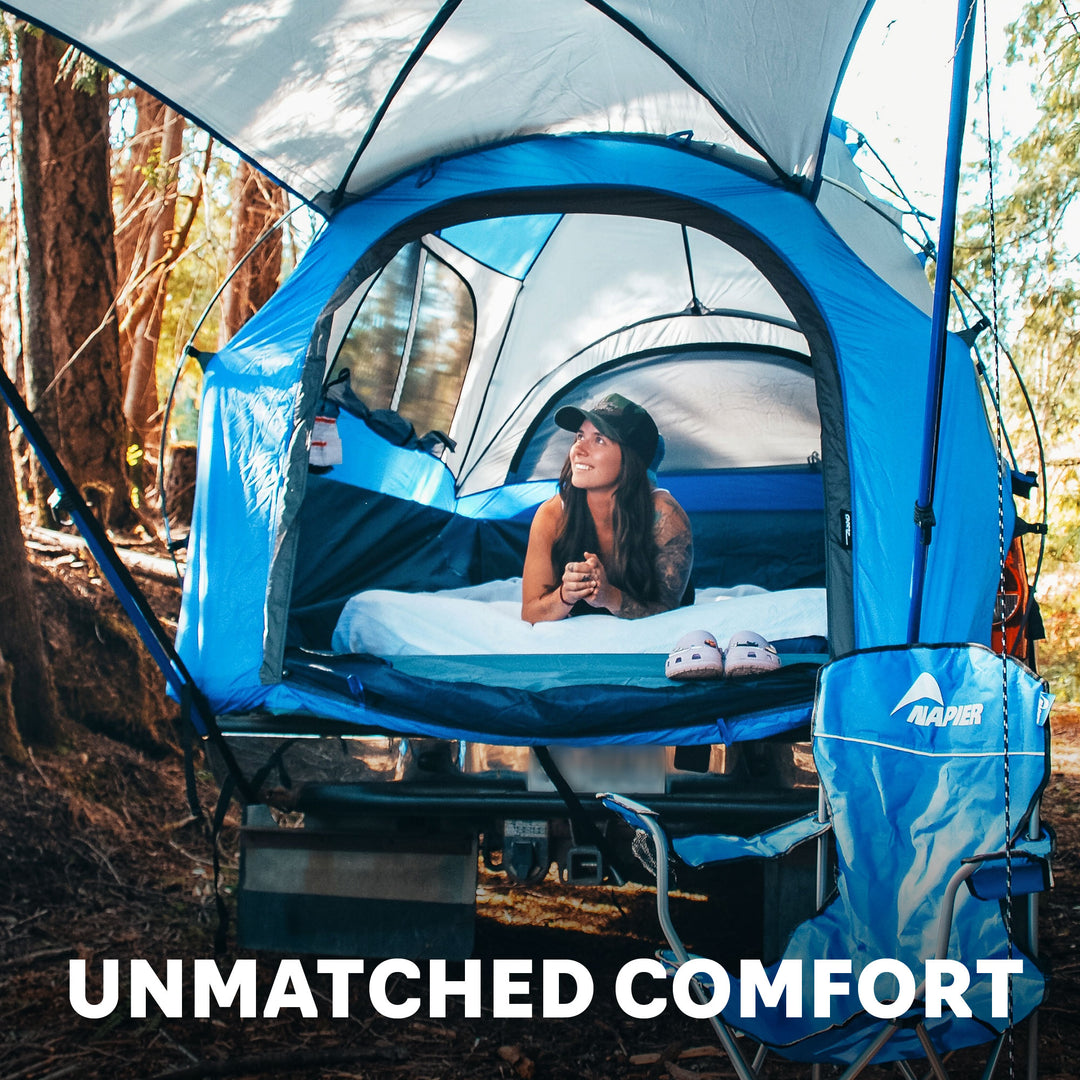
486	619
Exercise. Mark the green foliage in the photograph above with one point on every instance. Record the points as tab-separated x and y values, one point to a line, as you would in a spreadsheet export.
199	273
1036	229
85	73
157	175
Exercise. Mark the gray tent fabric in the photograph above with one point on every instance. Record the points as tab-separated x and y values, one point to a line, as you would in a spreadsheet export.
333	96
628	286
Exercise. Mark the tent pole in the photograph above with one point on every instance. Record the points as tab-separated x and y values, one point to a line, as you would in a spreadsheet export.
115	572
924	506
131	597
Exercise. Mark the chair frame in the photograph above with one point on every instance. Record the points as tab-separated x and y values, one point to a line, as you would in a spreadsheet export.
1001	862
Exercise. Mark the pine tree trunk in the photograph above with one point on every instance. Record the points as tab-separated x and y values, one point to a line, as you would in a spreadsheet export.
140	395
138	191
67	210
11	745
136	195
140	399
28	702
35	345
11	338
257	203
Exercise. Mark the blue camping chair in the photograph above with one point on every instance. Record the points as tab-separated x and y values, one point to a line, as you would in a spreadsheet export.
920	798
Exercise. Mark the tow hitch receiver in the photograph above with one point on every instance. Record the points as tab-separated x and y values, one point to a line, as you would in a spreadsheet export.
526	854
584	865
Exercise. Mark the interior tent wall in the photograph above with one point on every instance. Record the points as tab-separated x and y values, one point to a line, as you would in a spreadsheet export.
708	403
605	288
868	347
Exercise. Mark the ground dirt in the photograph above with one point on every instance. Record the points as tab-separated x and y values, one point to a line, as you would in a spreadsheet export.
100	858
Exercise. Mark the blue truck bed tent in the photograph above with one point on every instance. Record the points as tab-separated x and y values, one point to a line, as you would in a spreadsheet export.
867	347
557	189
528	206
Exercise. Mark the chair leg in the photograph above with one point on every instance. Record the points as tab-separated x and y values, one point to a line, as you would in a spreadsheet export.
906	1070
663	911
995	1055
869	1052
1033	1046
931	1054
742	1067
1032	942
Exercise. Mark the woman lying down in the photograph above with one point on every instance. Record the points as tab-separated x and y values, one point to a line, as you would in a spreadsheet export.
607	543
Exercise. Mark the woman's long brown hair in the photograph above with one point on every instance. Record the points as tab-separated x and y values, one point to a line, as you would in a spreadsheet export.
633	562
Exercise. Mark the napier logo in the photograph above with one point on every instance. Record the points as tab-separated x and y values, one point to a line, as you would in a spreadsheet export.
927	706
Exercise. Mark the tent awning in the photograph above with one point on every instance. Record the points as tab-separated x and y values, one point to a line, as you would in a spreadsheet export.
338	95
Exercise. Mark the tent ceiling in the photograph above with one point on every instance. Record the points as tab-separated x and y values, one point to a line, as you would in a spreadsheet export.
726	409
329	93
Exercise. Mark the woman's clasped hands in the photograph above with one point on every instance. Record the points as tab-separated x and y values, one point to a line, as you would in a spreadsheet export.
586	581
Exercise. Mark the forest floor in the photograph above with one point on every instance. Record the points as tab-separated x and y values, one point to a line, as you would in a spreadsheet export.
100	858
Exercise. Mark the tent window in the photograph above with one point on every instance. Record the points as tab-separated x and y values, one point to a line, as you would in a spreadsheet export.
409	344
374	345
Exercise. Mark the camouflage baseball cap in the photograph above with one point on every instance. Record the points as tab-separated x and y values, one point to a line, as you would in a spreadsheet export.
618	418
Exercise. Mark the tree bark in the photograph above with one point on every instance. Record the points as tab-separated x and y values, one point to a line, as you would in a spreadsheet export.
12	332
140	398
135	222
26	686
150	225
35	347
67	210
136	192
257	203
11	745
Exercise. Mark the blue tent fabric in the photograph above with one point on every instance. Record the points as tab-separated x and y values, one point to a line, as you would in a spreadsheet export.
511	252
870	347
470	698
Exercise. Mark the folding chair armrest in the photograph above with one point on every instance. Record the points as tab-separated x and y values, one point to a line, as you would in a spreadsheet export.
644	820
1043	847
997	878
1022	870
996	875
631	811
706	850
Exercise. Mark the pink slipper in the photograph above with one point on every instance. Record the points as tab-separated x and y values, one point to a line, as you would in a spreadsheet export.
695	656
750	654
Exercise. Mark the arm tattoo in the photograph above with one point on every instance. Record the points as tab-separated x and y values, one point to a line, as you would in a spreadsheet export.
673	564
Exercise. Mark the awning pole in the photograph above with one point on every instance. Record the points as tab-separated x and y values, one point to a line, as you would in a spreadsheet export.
924	506
105	555
134	601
